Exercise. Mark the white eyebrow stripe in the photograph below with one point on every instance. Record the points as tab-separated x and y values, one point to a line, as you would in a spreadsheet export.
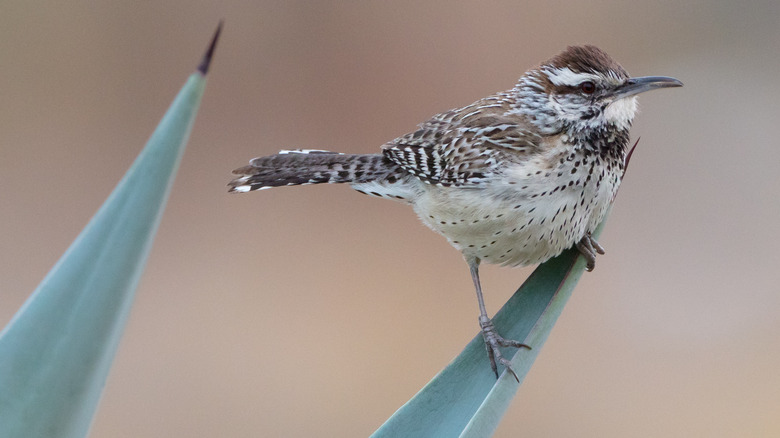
565	76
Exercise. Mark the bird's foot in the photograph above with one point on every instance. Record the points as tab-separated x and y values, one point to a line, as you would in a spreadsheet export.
493	342
588	247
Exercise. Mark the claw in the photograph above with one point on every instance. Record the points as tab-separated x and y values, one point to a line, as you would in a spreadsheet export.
588	247
493	342
599	249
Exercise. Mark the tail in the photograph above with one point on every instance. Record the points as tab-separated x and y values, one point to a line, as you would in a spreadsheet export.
297	167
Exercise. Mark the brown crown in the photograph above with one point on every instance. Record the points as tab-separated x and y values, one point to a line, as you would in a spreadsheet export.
586	59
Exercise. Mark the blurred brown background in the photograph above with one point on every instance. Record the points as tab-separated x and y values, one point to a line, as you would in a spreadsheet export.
317	311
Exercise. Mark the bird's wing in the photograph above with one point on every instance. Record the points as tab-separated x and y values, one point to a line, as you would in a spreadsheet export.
465	147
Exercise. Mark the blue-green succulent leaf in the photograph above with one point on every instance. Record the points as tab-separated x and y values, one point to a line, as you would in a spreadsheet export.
56	352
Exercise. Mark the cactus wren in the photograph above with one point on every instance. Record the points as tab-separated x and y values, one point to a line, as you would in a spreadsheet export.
514	178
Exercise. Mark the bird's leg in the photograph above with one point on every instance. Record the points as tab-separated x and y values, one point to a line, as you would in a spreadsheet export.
588	247
493	341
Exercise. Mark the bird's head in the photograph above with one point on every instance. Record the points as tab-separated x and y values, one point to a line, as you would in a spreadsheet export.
583	89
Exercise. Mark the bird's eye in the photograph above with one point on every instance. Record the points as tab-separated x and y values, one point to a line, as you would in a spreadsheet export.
588	87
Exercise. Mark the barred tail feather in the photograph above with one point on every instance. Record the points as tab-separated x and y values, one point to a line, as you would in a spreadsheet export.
298	167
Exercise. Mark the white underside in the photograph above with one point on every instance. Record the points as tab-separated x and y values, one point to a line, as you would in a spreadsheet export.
502	223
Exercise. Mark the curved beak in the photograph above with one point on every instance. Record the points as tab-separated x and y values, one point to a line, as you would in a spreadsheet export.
634	86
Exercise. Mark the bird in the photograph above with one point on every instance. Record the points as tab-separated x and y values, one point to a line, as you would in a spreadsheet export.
512	179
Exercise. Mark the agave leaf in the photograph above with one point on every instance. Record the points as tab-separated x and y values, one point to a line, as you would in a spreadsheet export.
465	399
56	352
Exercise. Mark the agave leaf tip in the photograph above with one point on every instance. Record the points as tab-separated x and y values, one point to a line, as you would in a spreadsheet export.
203	67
